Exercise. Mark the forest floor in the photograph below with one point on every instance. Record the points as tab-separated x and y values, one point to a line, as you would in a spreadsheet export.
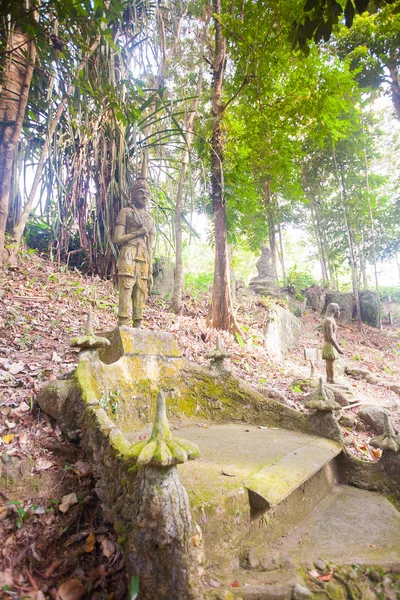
54	542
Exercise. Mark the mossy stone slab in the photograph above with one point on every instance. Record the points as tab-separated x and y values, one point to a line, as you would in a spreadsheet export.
272	462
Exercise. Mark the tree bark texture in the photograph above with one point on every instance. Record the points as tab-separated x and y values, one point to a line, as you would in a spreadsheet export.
161	546
189	126
17	76
351	247
395	88
271	225
220	314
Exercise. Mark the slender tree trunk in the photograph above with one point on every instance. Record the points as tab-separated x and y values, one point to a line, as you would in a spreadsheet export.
220	314
271	225
398	264
395	87
20	226
189	126
349	232
281	255
17	76
317	235
371	218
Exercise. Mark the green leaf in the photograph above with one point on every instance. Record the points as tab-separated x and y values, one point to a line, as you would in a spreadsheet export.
134	587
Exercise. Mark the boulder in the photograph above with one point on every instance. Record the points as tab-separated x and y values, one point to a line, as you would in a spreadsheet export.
346	302
281	331
163	278
347	420
369	308
342	396
316	297
372	415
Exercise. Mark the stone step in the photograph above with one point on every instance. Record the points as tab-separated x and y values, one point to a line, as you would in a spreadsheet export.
352	531
272	475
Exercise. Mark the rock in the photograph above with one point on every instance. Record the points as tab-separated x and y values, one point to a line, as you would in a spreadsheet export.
336	591
372	415
252	560
321	565
347	305
347	420
53	400
387	581
300	592
304	385
395	387
356	372
374	575
271	562
163	276
281	331
369	308
341	395
275	394
316	297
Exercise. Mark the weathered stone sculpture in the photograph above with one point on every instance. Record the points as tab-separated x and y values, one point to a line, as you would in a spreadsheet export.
330	347
217	356
388	440
134	233
89	341
322	399
164	542
161	449
265	283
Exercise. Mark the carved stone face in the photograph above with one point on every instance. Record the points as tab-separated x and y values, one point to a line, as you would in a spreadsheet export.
140	197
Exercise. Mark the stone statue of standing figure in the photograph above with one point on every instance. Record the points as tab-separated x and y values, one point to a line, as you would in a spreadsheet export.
331	349
134	233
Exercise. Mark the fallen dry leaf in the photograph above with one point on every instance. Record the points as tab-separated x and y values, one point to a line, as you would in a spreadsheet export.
56	358
214	584
108	547
196	540
68	501
90	542
43	465
10	424
327	577
81	468
235	583
8	438
16	368
313	573
72	589
20	410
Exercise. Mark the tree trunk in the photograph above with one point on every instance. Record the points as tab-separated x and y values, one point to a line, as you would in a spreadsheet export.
314	219
395	87
220	314
17	76
189	126
20	226
349	232
371	218
271	225
281	255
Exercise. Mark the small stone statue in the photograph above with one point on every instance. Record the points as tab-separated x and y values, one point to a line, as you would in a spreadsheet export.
134	233
217	356
89	341
330	347
388	440
161	449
